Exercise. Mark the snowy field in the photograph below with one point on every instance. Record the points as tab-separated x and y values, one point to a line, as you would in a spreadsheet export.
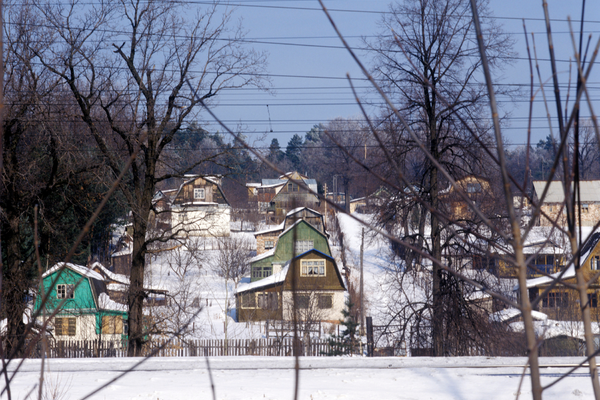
320	378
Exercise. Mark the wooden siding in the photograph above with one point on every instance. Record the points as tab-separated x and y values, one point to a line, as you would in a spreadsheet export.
331	281
212	194
259	314
284	250
83	298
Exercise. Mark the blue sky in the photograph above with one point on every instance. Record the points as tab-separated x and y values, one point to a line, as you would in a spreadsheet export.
308	65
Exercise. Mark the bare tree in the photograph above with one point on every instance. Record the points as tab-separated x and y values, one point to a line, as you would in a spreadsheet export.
231	263
136	89
431	55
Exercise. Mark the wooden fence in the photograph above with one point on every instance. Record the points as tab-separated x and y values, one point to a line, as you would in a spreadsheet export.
189	348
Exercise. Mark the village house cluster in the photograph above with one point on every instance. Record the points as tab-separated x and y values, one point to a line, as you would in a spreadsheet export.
293	255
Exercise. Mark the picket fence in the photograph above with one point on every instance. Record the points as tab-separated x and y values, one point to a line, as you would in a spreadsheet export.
189	348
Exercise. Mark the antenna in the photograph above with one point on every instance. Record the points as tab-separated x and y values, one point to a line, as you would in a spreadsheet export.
270	124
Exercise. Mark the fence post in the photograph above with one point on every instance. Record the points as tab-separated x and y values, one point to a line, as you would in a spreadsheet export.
370	343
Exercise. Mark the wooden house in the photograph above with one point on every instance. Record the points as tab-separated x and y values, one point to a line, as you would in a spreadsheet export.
562	303
267	239
298	238
276	197
553	203
477	190
197	208
319	291
86	310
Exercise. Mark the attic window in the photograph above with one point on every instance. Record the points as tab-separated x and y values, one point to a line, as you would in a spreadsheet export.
584	208
301	246
269	244
64	291
473	187
199	193
312	268
595	263
292	187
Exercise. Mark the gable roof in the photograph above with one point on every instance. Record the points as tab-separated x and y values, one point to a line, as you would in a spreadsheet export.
589	191
210	179
586	250
281	275
81	270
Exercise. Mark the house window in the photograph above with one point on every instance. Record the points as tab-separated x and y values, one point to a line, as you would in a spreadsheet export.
302	301
199	193
269	244
248	300
292	187
262	272
595	263
325	301
473	187
585	208
65	326
312	268
593	299
268	301
65	291
112	325
550	209
301	246
555	299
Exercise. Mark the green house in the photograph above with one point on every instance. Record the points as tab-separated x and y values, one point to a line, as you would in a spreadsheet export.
296	239
86	311
317	281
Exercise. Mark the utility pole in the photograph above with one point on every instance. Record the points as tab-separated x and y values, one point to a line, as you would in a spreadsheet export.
326	217
362	285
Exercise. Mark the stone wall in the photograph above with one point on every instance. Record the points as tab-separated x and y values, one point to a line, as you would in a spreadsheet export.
590	214
261	239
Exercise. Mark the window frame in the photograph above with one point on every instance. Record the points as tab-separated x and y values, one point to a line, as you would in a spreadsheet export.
474	187
299	246
65	291
268	301
111	325
325	301
595	263
269	244
69	330
308	270
197	192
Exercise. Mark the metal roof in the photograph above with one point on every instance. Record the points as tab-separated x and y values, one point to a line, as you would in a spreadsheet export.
590	191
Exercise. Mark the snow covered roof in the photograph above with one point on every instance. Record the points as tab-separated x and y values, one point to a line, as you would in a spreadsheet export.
269	280
111	275
298	209
510	313
85	271
296	223
535	282
273	229
548	329
262	256
105	303
586	250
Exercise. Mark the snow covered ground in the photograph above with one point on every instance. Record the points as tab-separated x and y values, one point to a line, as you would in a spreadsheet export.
249	378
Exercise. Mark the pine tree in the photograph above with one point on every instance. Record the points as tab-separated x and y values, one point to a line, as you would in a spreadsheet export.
345	343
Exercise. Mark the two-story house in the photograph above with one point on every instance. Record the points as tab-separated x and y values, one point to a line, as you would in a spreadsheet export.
197	208
85	310
276	197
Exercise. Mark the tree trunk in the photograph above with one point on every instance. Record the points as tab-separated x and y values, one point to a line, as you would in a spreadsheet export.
14	289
